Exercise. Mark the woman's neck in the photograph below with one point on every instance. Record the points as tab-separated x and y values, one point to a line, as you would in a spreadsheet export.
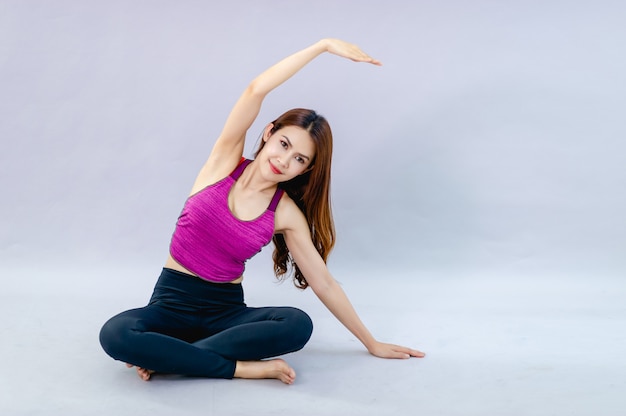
251	180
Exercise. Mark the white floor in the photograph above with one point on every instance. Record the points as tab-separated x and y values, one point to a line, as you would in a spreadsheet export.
496	346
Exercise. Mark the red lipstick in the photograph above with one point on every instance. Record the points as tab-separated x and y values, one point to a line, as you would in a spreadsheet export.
275	169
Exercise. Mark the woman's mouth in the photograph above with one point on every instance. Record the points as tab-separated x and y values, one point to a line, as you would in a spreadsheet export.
275	169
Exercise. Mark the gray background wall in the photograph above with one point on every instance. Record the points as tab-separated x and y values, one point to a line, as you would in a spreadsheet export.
478	186
491	141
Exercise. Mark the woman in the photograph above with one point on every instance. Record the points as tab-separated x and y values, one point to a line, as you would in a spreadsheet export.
197	323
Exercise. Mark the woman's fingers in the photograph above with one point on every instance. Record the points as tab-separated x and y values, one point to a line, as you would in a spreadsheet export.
383	350
408	352
416	353
350	51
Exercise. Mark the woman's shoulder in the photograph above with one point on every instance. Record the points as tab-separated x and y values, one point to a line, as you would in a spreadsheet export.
288	216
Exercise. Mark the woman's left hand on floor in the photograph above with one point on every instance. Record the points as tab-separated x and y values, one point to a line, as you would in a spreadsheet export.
383	350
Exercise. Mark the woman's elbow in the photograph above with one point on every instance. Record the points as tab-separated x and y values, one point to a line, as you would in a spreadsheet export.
322	286
256	89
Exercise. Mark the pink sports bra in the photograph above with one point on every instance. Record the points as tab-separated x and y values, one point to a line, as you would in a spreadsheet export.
210	241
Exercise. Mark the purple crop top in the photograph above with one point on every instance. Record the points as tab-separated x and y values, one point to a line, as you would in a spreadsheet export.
210	241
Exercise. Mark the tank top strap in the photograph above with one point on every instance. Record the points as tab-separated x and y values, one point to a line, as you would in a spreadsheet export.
240	168
276	199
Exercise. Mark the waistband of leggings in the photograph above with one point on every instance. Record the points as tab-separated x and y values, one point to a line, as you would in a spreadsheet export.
195	283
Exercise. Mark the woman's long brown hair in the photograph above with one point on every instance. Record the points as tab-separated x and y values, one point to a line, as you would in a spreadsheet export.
310	191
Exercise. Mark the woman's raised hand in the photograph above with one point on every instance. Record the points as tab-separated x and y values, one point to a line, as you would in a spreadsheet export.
349	51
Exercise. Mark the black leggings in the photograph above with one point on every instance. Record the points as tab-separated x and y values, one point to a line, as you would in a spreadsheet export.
197	328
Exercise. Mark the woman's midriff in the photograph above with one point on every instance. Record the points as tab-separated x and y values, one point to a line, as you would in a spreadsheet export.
174	265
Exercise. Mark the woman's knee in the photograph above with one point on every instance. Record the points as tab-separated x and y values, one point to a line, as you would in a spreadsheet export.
115	336
301	326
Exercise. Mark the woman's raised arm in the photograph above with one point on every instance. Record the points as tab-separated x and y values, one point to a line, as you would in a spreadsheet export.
228	148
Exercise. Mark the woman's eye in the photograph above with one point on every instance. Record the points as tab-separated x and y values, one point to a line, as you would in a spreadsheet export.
299	159
283	143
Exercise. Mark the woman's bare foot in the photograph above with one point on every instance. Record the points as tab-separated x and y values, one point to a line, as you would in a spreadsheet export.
143	373
276	368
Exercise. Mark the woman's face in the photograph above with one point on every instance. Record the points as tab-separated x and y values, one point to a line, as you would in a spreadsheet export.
287	153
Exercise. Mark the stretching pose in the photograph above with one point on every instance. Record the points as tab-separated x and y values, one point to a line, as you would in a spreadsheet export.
196	322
